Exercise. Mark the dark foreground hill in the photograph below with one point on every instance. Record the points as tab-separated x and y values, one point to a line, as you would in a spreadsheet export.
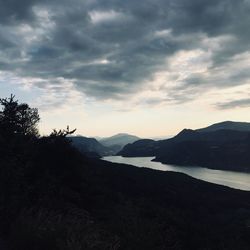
52	197
210	147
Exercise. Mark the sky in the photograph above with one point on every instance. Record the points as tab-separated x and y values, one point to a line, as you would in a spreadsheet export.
149	68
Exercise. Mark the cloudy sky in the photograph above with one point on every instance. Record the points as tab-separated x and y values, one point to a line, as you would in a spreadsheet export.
148	67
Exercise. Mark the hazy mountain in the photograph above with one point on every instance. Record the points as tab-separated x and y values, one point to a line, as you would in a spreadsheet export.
118	141
157	138
218	149
90	146
105	146
239	126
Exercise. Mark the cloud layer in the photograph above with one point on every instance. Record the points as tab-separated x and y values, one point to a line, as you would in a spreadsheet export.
170	50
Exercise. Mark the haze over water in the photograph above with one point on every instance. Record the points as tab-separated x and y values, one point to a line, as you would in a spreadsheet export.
227	178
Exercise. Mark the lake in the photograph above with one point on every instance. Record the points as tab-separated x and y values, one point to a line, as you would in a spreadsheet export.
227	178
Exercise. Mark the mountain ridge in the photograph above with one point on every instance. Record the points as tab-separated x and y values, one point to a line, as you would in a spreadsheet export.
119	139
220	148
230	125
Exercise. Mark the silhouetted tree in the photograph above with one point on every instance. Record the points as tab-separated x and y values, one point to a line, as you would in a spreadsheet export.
62	132
18	119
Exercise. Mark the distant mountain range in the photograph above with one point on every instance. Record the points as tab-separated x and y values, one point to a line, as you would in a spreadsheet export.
89	146
120	140
102	147
224	145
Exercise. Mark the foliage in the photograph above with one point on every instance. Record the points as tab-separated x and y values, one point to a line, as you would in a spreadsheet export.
40	229
18	119
62	132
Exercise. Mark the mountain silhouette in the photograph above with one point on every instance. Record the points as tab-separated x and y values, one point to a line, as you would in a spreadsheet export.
231	125
219	148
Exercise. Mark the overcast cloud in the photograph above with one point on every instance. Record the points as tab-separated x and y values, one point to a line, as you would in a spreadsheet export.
114	49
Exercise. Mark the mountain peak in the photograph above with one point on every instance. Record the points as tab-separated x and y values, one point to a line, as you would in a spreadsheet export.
229	125
119	139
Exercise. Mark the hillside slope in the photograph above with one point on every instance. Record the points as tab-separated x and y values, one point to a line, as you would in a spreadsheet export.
58	199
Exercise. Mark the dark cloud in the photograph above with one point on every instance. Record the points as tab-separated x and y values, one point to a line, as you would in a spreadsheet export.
110	48
13	10
242	103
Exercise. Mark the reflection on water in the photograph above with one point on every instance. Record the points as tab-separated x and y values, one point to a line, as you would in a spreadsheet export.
228	178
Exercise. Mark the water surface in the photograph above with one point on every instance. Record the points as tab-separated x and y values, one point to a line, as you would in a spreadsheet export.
227	178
